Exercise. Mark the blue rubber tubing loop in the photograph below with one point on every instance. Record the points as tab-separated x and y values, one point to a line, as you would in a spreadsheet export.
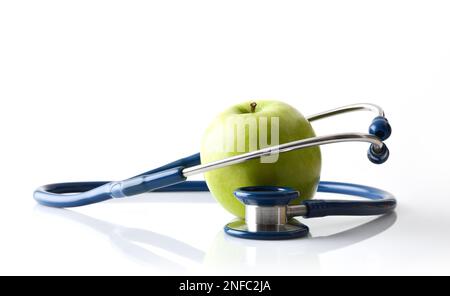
169	178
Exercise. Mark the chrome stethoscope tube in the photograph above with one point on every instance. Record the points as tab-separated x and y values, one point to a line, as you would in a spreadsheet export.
291	146
346	109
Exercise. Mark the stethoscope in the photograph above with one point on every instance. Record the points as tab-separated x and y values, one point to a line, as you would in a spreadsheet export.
268	214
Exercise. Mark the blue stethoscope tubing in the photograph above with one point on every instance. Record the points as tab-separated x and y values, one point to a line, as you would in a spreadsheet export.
75	194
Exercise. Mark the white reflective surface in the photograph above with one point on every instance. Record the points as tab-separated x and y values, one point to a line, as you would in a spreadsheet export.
139	237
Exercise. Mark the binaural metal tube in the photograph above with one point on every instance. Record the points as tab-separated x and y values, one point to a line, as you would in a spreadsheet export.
291	146
346	109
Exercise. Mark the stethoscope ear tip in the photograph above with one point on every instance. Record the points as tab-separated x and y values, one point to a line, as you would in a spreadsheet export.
378	156
381	128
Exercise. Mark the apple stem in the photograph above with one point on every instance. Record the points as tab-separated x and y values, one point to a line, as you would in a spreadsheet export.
253	106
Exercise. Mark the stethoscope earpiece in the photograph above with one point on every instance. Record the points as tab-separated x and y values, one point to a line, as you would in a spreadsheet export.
380	127
378	155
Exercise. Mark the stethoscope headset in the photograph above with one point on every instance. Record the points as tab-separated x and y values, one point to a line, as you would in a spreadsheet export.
268	214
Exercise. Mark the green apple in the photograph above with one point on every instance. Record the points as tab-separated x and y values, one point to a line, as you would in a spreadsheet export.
254	125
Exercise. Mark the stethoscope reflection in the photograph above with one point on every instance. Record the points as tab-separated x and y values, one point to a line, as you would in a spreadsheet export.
295	256
225	253
129	240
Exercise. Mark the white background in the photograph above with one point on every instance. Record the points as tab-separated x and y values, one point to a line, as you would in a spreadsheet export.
94	90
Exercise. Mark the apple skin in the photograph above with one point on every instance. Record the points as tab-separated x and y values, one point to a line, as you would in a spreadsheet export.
299	169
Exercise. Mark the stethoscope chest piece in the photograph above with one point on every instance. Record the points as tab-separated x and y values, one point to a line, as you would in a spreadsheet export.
267	215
